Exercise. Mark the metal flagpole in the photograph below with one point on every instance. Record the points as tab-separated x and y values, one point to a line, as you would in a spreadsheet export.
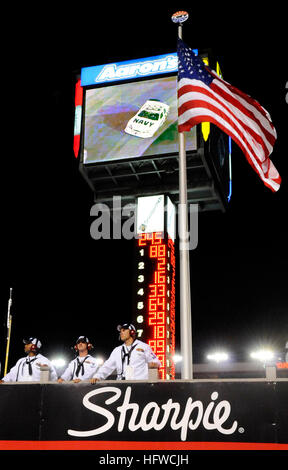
9	324
185	298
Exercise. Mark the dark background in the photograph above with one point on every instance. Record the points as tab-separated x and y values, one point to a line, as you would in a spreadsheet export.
66	284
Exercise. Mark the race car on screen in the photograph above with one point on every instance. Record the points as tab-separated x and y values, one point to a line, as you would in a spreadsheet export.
150	117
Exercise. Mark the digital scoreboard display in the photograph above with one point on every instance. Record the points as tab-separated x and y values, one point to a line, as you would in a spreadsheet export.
126	133
127	121
155	297
154	300
129	110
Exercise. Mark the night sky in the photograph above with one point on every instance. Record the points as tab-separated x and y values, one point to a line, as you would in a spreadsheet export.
66	284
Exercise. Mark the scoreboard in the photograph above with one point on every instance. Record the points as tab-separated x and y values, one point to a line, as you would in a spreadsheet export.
155	297
117	162
154	304
116	154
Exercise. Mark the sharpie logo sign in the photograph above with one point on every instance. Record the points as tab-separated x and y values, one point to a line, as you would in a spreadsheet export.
154	417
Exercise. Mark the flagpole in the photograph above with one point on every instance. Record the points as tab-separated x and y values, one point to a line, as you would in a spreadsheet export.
185	297
9	326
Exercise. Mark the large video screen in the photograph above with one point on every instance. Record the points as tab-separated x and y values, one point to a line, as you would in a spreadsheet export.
132	120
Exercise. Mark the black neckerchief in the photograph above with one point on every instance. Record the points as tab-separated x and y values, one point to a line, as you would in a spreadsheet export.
80	366
29	364
125	354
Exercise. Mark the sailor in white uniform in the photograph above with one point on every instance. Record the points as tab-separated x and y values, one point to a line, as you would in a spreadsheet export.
84	366
131	360
28	369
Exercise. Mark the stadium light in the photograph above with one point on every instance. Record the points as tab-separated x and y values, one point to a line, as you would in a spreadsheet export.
263	355
218	357
58	362
99	360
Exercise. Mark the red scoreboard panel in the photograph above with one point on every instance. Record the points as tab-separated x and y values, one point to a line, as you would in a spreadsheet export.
154	312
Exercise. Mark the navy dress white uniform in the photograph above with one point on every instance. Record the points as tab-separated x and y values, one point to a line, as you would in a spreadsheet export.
27	369
130	362
82	368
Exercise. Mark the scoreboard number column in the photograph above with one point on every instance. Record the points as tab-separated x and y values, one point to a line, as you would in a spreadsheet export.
154	311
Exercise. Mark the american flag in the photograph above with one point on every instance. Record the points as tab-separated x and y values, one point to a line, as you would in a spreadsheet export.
204	97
